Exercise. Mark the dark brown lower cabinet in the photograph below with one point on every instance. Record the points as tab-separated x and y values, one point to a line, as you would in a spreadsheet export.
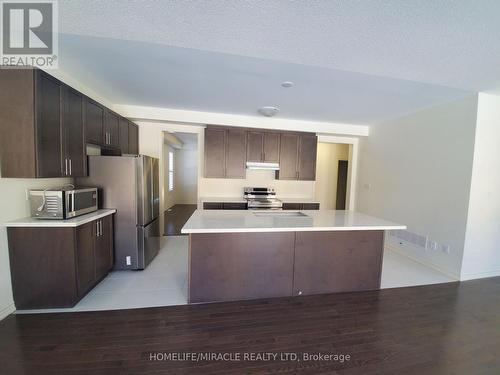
232	266
236	266
345	261
56	266
224	206
300	206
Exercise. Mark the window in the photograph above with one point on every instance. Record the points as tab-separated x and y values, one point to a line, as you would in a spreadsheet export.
170	171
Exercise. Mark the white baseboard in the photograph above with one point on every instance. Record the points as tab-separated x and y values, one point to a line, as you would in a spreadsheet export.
448	273
479	275
6	311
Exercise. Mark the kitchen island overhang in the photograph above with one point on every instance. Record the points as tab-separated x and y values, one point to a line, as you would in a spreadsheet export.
235	255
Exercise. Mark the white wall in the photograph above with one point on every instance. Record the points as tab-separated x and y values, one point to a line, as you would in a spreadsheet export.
416	170
186	175
14	206
327	163
482	241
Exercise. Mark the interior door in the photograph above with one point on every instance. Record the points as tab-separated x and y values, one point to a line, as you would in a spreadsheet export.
149	243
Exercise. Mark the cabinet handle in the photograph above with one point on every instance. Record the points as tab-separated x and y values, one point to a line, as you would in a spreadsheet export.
65	166
100	228
70	173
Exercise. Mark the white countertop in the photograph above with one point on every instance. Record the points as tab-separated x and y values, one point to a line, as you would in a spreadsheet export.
298	200
223	199
74	222
237	221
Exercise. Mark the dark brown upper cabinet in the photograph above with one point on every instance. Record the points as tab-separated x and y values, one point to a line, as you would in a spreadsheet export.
235	153
133	139
215	152
94	122
48	120
123	135
42	126
297	157
74	150
263	146
289	154
111	129
225	152
307	157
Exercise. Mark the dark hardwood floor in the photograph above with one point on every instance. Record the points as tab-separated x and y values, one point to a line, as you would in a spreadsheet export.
440	329
176	216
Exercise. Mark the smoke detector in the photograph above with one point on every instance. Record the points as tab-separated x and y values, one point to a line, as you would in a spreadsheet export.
287	84
268	111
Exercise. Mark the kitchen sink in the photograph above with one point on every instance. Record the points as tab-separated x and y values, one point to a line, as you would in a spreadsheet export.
283	214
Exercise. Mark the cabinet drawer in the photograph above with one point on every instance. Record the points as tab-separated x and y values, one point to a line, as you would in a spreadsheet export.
212	206
310	206
234	206
292	206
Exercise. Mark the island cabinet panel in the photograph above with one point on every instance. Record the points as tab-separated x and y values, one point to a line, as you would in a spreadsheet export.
235	266
343	261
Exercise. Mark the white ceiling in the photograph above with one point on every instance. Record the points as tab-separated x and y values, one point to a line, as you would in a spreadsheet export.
352	61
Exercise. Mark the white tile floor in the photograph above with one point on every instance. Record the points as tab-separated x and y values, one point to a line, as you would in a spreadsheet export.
164	282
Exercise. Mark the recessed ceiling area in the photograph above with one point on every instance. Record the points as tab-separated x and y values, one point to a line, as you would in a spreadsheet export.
356	62
146	74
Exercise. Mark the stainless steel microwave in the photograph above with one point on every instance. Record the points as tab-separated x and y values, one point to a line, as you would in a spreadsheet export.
62	203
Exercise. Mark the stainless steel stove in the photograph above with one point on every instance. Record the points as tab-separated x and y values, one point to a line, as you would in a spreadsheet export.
262	198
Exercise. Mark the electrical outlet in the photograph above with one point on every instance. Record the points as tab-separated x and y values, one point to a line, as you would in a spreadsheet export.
128	260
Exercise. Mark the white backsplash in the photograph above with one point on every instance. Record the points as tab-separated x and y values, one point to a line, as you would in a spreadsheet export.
218	187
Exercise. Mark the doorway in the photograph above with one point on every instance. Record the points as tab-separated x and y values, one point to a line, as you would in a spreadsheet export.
180	183
332	169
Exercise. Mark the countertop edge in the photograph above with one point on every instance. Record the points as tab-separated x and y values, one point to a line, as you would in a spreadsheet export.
293	229
70	223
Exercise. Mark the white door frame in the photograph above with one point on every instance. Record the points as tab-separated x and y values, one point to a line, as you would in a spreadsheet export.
352	169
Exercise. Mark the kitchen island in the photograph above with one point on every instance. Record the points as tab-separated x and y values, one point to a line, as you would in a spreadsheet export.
246	254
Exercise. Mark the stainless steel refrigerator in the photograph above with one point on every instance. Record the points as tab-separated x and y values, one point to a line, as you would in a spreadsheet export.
130	184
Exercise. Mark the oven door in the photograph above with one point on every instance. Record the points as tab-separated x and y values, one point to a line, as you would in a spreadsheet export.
79	202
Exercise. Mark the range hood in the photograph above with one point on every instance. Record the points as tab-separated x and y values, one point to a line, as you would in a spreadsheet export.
265	166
